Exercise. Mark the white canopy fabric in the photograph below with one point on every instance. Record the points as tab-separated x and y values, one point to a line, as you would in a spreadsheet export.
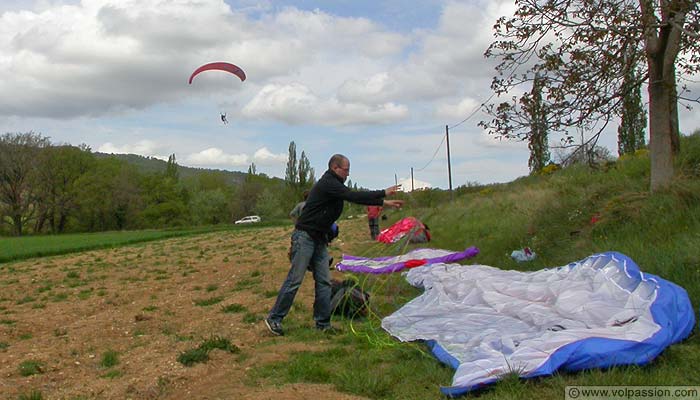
486	322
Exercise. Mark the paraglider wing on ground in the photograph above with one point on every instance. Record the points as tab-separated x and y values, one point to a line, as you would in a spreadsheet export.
412	259
485	322
418	231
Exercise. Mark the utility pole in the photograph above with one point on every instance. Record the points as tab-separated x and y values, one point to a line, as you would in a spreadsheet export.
412	189
449	167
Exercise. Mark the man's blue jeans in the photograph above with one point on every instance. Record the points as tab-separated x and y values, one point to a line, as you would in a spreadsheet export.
305	252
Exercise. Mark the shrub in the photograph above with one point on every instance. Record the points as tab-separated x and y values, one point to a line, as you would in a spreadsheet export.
31	367
110	358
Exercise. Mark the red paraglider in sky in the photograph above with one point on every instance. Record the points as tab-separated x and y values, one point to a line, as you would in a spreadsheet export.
221	66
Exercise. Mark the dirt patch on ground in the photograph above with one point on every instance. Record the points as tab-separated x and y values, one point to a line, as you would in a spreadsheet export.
147	303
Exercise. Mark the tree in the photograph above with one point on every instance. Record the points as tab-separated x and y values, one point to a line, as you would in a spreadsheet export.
268	205
109	196
19	156
252	171
247	196
171	168
630	133
589	154
210	207
306	173
537	140
59	170
291	173
579	46
210	180
166	200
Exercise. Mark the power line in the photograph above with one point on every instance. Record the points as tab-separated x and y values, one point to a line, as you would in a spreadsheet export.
434	154
493	93
454	126
473	112
476	109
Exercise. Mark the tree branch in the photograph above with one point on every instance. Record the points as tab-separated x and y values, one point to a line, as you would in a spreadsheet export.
692	34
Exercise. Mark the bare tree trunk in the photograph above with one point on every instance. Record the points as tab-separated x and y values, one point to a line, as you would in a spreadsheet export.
660	142
662	44
62	219
673	108
40	221
17	224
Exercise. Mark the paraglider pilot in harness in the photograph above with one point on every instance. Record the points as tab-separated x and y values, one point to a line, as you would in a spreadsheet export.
223	118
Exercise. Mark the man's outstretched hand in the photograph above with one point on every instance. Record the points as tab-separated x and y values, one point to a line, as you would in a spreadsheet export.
393	203
391	190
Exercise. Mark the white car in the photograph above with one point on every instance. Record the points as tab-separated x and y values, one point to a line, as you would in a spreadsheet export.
251	219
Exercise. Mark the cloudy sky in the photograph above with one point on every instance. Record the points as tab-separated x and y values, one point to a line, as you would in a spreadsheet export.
376	80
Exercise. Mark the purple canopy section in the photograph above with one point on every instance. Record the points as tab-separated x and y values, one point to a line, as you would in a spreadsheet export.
389	264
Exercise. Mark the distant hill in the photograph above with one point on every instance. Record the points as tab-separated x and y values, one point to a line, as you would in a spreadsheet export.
152	165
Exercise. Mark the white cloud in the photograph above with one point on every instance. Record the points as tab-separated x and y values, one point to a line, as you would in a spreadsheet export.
484	139
369	90
142	147
109	50
264	156
449	60
101	56
342	35
216	157
463	109
295	104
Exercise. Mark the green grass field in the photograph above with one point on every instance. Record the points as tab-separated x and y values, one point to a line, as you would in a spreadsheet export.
20	248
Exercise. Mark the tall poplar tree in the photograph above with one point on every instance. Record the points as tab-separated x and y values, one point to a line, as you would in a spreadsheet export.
291	174
171	168
538	142
632	129
306	173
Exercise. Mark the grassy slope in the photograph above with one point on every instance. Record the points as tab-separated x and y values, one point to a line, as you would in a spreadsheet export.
552	215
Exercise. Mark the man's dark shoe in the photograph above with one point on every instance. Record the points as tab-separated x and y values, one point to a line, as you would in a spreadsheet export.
329	330
274	327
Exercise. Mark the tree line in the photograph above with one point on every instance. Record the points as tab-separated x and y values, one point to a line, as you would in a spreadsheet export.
47	188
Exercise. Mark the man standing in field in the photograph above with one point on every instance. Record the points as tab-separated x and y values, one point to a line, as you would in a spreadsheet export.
310	238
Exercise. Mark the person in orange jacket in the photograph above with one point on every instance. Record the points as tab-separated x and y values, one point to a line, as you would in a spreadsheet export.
373	213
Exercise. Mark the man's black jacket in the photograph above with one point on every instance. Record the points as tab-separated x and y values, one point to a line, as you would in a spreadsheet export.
325	204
